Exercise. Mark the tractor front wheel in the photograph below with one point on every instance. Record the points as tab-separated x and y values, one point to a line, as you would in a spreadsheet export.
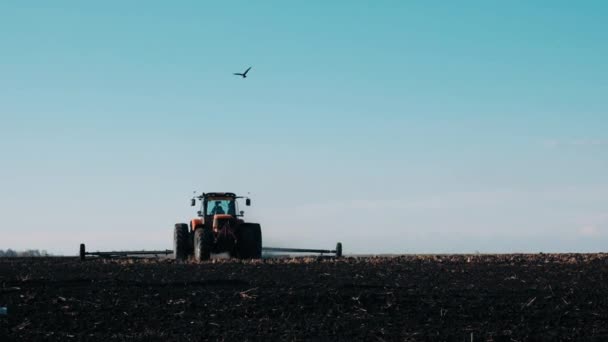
203	240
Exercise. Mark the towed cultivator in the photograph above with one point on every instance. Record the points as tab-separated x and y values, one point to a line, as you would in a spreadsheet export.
218	229
117	254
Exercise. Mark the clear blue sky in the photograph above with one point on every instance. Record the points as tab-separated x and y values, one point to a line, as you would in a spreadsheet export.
392	126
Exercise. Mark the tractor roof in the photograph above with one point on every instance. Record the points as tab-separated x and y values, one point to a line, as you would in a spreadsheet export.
219	194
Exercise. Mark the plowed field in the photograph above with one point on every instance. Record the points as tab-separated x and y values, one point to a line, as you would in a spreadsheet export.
405	298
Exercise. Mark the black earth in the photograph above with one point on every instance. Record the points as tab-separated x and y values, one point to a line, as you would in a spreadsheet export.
532	297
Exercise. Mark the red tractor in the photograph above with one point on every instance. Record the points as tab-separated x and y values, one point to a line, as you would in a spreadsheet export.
218	228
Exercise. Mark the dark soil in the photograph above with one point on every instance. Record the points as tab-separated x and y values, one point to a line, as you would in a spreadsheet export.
406	298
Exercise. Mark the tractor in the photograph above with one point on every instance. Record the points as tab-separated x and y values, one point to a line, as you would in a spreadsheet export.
218	228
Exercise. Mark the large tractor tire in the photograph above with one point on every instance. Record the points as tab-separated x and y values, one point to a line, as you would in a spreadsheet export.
250	241
203	241
181	243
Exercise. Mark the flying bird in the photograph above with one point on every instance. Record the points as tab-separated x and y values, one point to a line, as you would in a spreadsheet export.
244	75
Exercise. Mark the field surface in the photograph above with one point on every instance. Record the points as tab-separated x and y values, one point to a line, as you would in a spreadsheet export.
405	298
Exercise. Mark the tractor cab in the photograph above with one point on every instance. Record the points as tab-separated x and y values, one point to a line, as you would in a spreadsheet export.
216	203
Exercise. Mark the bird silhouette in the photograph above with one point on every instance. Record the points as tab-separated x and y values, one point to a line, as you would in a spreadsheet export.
243	75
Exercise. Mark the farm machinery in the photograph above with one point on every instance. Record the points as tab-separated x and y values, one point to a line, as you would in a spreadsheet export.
218	228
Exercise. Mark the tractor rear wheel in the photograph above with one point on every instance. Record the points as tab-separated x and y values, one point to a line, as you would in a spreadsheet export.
180	241
203	240
250	241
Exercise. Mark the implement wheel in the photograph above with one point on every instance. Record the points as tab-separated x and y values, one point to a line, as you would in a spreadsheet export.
82	252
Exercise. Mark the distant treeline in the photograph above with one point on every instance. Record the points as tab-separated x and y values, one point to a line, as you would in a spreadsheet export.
27	253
